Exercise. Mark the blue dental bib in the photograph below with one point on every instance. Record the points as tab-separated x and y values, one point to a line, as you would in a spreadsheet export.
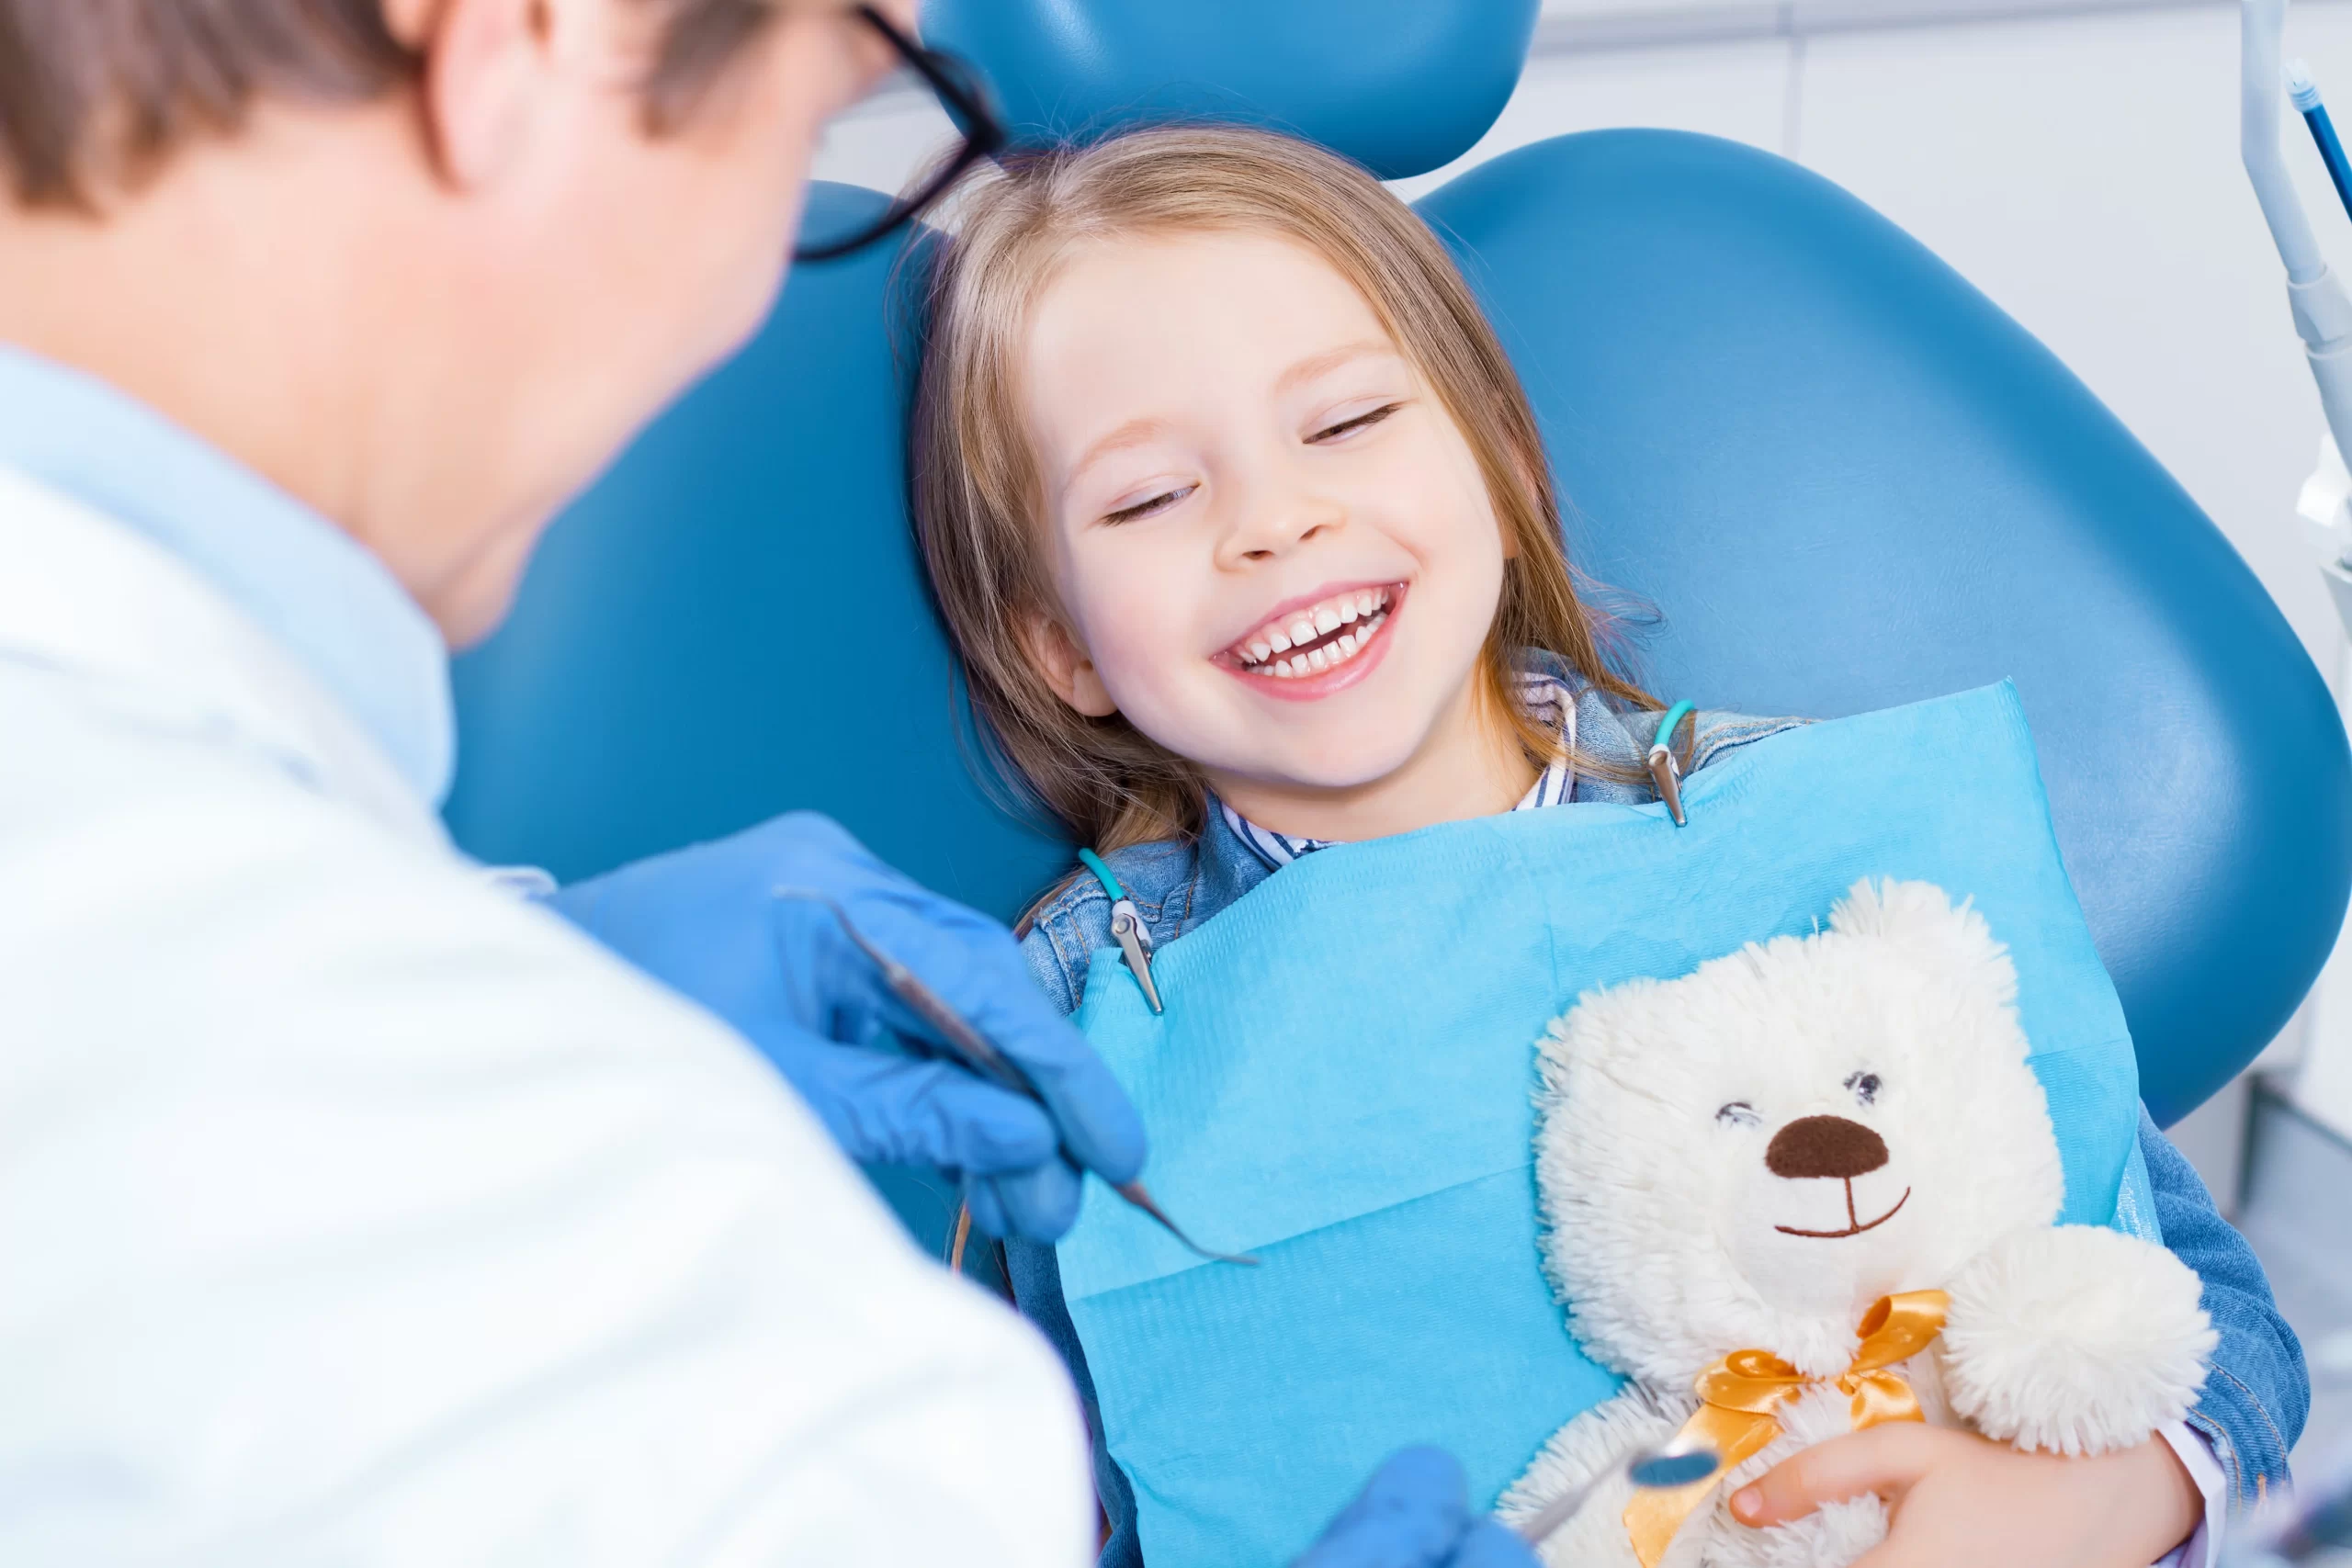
1341	1081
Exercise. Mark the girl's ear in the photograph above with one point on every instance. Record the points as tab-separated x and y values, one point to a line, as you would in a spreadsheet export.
1056	656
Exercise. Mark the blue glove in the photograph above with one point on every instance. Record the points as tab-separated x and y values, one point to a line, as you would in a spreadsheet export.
1415	1513
707	921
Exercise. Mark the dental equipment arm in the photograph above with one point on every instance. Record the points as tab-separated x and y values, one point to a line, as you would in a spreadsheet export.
2323	310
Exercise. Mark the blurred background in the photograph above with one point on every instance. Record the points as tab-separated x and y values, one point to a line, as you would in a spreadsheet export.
2077	159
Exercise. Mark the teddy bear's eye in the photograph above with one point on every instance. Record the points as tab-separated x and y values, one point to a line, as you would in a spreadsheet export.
1864	1087
1739	1113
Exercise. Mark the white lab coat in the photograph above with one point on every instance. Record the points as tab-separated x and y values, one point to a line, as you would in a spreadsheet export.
354	1212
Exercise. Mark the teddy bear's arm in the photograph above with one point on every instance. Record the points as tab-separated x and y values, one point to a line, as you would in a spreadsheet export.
1631	1420
2076	1339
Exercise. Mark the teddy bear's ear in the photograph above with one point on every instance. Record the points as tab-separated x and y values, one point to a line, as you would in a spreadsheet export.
1922	917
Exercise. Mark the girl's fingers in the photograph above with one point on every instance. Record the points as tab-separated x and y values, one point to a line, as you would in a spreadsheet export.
1886	1459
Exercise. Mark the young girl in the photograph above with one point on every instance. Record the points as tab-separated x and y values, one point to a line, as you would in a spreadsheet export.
1246	539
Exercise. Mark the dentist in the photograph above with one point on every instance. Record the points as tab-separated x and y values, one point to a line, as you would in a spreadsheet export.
353	1209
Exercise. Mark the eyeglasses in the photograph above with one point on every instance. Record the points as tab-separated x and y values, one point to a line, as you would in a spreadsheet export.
961	94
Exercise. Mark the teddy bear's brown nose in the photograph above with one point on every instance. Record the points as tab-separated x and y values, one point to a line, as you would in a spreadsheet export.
1825	1146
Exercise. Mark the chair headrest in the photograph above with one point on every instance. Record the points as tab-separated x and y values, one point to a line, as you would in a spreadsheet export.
1400	85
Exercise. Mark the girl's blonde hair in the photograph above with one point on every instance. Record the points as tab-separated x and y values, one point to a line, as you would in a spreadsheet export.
977	504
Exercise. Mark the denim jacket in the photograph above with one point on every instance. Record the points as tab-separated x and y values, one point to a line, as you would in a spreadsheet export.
2256	1396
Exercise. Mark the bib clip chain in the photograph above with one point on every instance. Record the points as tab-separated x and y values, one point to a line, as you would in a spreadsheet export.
1126	928
1665	773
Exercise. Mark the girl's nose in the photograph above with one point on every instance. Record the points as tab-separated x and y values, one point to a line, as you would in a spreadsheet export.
1270	531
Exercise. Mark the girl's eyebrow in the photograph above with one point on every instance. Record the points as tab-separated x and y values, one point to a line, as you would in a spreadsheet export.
1135	433
1331	359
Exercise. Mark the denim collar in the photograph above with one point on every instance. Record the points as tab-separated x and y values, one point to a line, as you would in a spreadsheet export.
326	602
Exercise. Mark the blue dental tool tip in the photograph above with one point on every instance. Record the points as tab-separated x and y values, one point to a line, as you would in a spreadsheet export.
2301	89
2305	93
1674	1469
1649	1470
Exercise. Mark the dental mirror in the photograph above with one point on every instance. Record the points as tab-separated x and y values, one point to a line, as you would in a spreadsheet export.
1650	1470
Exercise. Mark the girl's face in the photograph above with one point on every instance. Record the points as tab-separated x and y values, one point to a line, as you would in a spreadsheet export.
1274	549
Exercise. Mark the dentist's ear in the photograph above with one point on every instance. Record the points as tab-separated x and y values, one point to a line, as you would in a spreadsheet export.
1071	675
483	61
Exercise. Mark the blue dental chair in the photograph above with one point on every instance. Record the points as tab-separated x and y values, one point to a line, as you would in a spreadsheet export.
1839	476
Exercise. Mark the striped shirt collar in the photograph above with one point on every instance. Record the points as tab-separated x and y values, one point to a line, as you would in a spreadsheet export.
1543	695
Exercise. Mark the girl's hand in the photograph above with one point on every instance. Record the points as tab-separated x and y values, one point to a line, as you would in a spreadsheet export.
1956	1500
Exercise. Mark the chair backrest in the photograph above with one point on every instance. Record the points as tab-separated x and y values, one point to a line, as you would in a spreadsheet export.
1402	86
1840	475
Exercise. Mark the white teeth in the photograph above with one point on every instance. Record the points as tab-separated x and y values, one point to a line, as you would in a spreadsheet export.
1364	609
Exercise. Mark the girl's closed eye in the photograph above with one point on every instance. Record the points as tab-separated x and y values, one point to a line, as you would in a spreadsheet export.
1354	424
1157	502
1156	499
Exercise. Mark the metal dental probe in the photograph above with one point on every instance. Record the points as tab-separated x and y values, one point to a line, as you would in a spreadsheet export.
972	1049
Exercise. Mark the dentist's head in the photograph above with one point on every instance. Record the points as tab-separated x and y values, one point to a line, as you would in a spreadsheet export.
425	264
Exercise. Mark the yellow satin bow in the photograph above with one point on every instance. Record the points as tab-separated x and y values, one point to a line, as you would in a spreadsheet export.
1740	1394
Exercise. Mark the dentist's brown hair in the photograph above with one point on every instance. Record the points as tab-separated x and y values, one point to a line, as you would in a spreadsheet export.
976	492
95	94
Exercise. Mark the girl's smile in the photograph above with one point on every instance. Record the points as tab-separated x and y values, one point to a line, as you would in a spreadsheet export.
1323	643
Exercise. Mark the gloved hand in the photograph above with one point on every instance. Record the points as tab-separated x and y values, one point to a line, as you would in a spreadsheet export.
1415	1513
707	922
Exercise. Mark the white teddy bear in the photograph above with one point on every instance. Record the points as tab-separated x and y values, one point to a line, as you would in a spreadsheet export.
1737	1166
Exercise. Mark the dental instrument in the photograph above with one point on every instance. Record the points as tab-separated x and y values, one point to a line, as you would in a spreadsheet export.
2303	92
970	1049
1649	1470
2323	310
